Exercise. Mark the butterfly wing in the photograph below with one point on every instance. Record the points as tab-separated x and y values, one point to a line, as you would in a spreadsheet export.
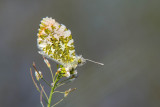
55	41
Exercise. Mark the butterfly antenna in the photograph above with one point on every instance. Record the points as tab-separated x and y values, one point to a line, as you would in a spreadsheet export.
94	62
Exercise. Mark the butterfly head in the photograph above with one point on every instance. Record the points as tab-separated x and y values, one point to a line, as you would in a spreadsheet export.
80	60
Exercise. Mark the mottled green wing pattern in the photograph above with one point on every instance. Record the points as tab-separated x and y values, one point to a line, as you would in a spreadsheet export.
55	40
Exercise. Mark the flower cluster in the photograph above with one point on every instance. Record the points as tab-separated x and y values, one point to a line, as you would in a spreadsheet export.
66	72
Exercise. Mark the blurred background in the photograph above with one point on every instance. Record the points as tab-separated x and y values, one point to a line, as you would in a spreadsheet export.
122	34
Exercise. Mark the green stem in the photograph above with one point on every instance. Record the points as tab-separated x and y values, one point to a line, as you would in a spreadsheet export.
52	91
50	97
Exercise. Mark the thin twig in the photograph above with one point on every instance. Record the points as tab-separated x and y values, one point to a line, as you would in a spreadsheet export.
41	97
63	81
55	76
46	82
60	85
58	102
44	91
49	66
58	92
51	73
34	66
34	80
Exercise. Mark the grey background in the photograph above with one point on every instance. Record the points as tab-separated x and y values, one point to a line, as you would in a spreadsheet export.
123	34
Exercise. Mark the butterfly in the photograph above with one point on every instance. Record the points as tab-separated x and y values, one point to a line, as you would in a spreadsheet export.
55	42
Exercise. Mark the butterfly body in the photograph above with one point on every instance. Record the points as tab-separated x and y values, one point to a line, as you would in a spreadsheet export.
55	42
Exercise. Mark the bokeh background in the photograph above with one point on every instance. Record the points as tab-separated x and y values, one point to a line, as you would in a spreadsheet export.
122	34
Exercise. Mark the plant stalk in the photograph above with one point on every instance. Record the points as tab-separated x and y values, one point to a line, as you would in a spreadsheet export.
52	91
50	97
